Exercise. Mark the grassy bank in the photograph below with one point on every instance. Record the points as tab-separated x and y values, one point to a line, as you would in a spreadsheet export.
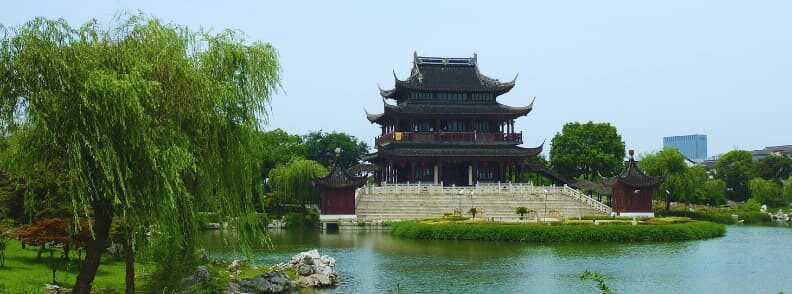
721	217
22	273
657	231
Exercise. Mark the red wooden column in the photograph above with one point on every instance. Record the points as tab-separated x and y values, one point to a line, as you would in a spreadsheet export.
412	172
440	172
500	173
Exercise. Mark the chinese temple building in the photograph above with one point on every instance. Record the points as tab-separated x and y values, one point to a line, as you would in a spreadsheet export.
632	191
444	125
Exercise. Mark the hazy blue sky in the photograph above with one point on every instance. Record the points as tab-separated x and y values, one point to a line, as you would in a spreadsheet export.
653	69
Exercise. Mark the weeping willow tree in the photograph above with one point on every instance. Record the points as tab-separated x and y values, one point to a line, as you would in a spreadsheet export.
152	122
294	180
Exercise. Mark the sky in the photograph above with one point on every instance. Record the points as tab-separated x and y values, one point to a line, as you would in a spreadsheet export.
650	68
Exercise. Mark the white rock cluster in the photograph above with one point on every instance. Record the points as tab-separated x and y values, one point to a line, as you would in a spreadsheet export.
313	269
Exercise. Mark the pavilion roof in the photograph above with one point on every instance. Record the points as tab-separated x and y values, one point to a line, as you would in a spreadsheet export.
339	178
446	74
632	176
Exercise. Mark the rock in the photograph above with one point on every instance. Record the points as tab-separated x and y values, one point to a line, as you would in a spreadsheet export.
212	226
325	270
280	278
313	270
327	260
200	275
323	280
314	254
306	282
307	260
261	284
55	289
235	266
305	270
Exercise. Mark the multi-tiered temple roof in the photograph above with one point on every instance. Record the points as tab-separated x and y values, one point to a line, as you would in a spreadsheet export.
445	120
445	74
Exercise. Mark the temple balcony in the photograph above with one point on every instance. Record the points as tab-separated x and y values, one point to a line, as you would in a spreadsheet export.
450	137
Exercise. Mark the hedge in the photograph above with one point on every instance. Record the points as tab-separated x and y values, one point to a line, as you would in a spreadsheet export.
542	233
723	217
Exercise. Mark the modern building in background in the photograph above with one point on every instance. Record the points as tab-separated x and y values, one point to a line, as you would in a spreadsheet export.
783	150
694	147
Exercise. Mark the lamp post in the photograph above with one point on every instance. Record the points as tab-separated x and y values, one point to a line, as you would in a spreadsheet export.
545	203
459	196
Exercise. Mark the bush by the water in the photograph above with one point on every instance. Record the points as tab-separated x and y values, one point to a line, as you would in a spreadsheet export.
542	233
308	219
721	217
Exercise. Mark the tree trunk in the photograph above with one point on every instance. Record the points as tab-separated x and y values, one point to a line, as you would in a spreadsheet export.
129	258
41	250
103	218
668	202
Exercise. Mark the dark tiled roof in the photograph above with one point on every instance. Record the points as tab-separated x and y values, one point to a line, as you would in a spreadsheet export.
512	151
599	187
362	168
339	178
446	74
411	108
538	168
633	176
472	109
373	117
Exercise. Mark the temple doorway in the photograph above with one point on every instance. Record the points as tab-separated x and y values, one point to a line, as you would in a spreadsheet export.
455	174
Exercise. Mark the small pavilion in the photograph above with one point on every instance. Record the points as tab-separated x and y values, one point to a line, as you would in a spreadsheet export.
337	195
632	190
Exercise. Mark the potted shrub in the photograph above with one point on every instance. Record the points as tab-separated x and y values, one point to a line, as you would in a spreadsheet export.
473	211
522	210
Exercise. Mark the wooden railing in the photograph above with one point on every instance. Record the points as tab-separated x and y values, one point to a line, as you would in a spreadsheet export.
462	137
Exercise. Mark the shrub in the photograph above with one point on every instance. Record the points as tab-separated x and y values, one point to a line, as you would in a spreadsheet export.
715	217
540	233
309	219
754	217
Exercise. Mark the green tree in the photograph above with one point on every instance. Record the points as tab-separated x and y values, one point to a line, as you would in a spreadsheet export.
735	169
589	149
766	192
773	167
715	191
671	164
697	177
279	147
788	189
320	147
293	180
150	120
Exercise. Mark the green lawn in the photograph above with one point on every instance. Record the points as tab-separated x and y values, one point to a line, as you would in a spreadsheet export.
22	273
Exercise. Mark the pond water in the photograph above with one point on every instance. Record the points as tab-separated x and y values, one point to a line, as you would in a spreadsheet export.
747	260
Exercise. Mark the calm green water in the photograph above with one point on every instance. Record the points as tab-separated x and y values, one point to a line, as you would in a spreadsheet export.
746	260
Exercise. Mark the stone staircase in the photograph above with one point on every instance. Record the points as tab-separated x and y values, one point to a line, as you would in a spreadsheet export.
494	201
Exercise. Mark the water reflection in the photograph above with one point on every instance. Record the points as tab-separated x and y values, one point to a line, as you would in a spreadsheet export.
748	259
